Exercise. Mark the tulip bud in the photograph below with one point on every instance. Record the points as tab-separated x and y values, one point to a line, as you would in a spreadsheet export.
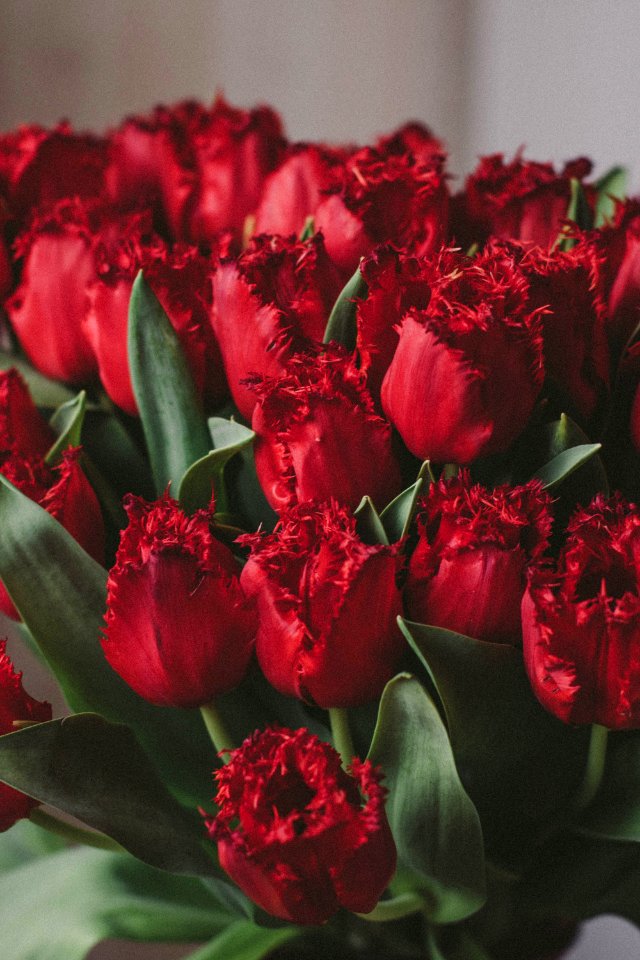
468	571
416	140
178	628
21	425
581	620
327	606
15	704
298	834
449	389
268	303
318	436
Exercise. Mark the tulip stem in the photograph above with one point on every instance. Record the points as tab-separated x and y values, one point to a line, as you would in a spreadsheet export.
72	833
394	909
218	733
594	769
341	734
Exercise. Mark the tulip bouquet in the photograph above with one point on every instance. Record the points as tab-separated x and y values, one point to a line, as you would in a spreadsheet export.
317	483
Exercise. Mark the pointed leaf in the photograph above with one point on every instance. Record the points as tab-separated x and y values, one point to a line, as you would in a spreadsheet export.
434	823
564	464
518	762
60	593
244	940
368	523
398	515
67	423
308	229
195	489
174	426
579	212
59	907
610	187
44	392
97	772
342	320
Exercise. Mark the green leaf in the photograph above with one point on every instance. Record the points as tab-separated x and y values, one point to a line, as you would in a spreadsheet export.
308	229
518	763
369	524
45	392
579	212
59	907
610	187
67	423
565	463
342	320
195	489
24	842
97	772
244	940
398	515
615	812
434	823
60	593
174	426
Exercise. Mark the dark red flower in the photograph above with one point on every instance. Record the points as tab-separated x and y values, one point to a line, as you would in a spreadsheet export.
293	191
616	249
49	306
395	283
415	139
16	704
468	571
40	166
267	304
450	390
64	492
178	628
214	166
327	606
179	278
319	437
581	620
383	199
576	351
298	834
521	200
21	425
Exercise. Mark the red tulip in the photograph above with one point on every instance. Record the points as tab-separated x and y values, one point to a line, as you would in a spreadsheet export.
581	620
468	571
16	704
268	303
415	139
449	390
327	606
616	249
318	436
21	425
300	836
178	628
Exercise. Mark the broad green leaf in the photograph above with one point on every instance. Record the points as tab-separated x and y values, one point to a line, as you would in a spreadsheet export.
97	772
369	524
244	940
341	326
60	593
518	763
397	516
615	812
172	419
59	907
207	474
563	435
435	825
116	455
565	463
67	423
24	842
610	187
45	392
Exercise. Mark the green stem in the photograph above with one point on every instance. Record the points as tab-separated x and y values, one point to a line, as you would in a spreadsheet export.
218	733
341	734
449	471
400	906
72	833
594	769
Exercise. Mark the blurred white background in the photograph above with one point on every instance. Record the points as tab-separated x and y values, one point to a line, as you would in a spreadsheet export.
560	77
